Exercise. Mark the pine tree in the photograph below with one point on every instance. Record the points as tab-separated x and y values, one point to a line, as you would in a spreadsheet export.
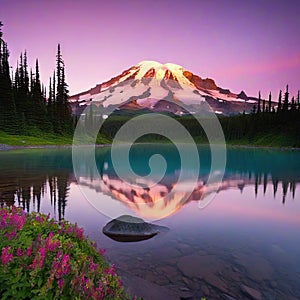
63	111
8	119
258	104
298	100
285	105
270	102
38	104
26	76
50	99
58	106
279	102
51	106
59	63
23	103
31	81
22	94
54	88
293	104
67	112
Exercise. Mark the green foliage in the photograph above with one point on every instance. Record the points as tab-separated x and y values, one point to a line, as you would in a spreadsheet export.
259	103
260	129
264	129
35	138
23	103
45	259
8	117
61	109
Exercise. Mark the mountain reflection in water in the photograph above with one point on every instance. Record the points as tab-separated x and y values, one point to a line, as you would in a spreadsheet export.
25	176
248	237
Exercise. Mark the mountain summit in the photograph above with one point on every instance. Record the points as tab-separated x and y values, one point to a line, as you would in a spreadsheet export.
146	84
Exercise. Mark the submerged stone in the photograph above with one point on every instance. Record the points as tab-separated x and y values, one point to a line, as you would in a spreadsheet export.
251	292
131	229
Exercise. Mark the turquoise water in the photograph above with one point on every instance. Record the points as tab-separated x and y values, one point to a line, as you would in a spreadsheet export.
246	237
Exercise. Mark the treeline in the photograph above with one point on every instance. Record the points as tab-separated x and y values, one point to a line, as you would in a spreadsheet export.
279	126
267	124
24	105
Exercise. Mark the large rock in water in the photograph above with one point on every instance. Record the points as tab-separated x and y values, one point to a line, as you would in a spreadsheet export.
131	229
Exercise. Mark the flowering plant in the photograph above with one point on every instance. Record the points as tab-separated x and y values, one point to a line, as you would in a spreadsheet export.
44	259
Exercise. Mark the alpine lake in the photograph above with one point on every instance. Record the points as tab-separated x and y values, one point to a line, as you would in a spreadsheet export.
244	244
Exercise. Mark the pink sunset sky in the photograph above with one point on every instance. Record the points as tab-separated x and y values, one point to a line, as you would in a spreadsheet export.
242	45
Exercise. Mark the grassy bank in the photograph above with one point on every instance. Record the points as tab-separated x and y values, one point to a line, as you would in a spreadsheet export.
271	139
40	139
26	140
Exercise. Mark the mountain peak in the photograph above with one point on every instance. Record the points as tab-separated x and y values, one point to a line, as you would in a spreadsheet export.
146	83
156	64
154	69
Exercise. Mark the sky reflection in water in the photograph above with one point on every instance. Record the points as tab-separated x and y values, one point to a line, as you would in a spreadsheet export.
252	225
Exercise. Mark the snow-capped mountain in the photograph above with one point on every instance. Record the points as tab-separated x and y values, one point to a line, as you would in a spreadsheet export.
149	84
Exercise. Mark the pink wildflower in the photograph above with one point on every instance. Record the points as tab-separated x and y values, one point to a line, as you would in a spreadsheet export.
19	252
39	258
17	221
6	257
50	244
29	251
10	235
60	283
93	266
111	270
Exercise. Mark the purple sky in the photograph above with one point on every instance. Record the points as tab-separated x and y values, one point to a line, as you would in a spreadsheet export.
247	45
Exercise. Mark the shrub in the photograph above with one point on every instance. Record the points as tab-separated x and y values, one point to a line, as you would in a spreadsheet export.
45	259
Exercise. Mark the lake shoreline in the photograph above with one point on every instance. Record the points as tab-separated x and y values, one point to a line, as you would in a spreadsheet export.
5	147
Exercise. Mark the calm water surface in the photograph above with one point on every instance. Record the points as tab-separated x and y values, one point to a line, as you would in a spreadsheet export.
245	242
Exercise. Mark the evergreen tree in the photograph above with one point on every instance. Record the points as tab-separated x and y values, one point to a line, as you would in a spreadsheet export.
59	66
53	89
63	111
293	104
298	100
270	102
31	81
26	76
258	104
22	94
8	119
285	105
38	104
279	102
51	105
23	103
50	99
